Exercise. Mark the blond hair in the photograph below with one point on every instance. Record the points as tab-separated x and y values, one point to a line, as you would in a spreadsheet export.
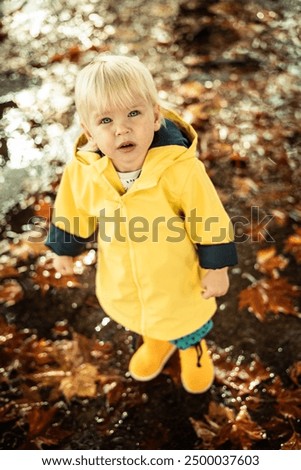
112	81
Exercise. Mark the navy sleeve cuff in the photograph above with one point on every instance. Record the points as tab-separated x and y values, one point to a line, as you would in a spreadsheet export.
217	256
65	244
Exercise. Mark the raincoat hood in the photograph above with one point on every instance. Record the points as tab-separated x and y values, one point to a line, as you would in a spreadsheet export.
169	139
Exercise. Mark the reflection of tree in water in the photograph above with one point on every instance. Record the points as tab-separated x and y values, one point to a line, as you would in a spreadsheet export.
231	69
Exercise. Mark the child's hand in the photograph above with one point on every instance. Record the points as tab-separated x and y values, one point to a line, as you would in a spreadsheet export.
63	265
215	283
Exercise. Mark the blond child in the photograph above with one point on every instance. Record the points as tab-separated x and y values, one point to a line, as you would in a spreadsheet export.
164	239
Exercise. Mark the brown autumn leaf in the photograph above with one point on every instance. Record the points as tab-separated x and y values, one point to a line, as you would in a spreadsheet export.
294	442
192	90
38	351
43	208
269	296
289	403
243	186
240	161
80	382
11	292
293	244
15	409
257	232
114	390
72	53
241	378
45	276
276	427
280	217
245	431
28	245
51	437
295	373
222	425
39	419
66	365
216	427
268	262
7	270
196	114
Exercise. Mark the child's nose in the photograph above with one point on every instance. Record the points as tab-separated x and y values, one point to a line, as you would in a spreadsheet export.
121	128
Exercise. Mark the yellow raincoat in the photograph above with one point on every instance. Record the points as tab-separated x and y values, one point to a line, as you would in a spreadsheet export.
148	271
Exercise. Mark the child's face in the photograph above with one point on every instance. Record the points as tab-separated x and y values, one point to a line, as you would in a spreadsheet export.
125	134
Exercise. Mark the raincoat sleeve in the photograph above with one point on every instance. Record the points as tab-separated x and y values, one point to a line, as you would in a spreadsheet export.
71	227
206	221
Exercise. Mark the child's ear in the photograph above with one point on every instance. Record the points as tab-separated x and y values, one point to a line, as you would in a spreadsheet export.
86	131
158	117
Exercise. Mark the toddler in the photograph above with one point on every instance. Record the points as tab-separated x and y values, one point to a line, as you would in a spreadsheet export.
165	241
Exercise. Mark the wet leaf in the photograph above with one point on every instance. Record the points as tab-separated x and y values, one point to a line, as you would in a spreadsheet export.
11	292
270	296
245	432
43	208
192	90
289	403
244	186
277	428
295	372
71	54
268	262
8	271
28	246
216	428
221	425
39	419
293	244
80	382
241	378
45	276
294	443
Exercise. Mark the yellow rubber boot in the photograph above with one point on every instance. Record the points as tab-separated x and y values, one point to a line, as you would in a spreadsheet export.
149	360
196	379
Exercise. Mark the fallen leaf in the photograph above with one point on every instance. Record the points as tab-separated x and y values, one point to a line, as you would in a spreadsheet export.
268	262
270	296
294	443
80	382
192	90
245	431
295	373
8	271
39	419
244	186
43	208
241	378
45	276
216	428
222	425
293	244
289	403
11	292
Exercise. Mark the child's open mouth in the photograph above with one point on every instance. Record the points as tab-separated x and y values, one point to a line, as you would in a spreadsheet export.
126	146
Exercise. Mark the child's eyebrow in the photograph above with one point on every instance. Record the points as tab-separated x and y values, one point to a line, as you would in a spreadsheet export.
108	111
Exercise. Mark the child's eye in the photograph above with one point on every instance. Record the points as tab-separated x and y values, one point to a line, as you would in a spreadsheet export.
105	120
134	113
